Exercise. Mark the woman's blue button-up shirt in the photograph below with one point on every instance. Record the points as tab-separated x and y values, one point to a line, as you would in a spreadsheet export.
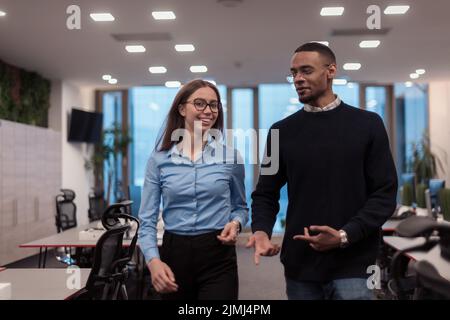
198	196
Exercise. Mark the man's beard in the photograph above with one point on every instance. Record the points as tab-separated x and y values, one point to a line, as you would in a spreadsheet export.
308	98
311	98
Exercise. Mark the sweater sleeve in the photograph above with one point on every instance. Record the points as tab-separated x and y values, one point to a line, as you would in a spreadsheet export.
272	177
381	183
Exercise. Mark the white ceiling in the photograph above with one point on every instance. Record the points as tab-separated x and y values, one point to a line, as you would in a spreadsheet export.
245	45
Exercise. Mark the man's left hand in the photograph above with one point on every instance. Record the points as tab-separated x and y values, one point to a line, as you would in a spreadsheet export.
327	239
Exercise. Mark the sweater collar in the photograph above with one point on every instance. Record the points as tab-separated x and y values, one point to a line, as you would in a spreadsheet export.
331	106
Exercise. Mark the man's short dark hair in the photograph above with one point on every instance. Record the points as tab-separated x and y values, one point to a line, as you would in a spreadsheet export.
318	47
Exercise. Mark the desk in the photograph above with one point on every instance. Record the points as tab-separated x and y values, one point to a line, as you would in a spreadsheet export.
70	238
41	284
433	256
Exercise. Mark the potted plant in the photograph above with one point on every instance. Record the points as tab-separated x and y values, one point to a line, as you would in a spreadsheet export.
114	147
424	162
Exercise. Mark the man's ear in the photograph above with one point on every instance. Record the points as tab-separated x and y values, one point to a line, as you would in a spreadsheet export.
182	110
332	71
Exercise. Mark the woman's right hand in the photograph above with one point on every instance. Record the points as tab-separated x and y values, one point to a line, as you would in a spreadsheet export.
163	279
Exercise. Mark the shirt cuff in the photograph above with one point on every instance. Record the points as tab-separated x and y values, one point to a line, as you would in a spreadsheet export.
150	254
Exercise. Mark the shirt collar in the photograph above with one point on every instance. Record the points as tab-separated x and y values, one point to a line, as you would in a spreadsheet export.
331	106
177	148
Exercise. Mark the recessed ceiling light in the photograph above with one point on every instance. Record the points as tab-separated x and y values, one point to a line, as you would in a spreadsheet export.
163	15
396	10
408	84
106	77
135	48
414	76
101	17
2	13
339	82
184	47
198	69
369	43
159	69
112	81
352	66
325	43
332	11
420	71
173	84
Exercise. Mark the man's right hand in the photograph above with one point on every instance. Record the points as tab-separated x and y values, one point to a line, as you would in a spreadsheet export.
263	247
163	279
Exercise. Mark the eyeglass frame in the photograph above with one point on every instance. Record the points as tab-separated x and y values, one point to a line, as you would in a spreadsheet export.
291	76
219	105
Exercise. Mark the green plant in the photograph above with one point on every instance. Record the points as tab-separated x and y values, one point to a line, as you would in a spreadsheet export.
114	146
24	96
420	195
424	162
444	199
407	194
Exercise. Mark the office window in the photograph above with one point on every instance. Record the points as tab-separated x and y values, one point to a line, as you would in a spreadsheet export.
148	111
376	101
112	169
242	114
411	114
348	94
276	101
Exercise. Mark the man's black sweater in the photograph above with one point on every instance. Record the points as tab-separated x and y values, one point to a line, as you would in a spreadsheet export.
339	172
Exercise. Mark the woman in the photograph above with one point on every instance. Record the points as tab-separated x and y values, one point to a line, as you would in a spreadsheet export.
204	203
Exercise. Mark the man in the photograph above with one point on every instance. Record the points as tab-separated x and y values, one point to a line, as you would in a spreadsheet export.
342	187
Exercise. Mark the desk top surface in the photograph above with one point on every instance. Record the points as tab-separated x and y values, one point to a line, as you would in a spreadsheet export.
391	225
71	238
43	284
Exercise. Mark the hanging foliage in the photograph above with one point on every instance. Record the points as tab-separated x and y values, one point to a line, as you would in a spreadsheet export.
24	96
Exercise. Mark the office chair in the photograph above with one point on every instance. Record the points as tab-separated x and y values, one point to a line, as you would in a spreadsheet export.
66	210
110	268
428	278
407	287
97	205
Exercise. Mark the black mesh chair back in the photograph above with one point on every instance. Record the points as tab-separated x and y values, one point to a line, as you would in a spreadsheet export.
66	210
426	277
109	271
97	205
429	278
108	274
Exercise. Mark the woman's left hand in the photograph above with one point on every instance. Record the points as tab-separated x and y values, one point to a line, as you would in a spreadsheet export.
229	234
